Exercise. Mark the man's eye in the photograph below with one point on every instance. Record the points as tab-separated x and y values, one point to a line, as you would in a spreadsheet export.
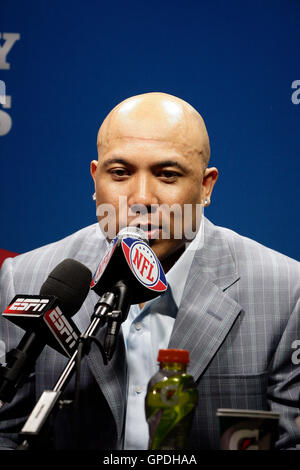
169	175
119	172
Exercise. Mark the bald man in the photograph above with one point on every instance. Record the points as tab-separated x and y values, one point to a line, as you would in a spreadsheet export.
233	303
154	150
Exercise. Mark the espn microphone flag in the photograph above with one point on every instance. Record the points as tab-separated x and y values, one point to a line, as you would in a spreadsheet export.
43	317
44	312
64	290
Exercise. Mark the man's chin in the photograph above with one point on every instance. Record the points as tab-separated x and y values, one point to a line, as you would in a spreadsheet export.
165	249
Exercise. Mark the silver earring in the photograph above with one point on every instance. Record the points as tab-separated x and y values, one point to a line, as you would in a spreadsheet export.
206	201
94	197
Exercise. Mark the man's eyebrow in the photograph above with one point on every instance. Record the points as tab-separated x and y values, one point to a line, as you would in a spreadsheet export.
165	163
172	163
110	161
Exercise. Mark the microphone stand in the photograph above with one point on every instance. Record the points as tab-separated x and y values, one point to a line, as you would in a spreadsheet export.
116	317
119	297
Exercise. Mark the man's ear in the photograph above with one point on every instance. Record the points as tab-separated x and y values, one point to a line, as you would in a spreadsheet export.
93	169
209	179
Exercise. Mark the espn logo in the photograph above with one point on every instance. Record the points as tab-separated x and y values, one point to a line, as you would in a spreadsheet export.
29	305
66	335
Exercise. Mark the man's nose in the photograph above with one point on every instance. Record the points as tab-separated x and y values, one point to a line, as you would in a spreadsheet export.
143	192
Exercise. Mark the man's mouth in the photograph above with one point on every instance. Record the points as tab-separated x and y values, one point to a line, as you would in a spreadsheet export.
151	231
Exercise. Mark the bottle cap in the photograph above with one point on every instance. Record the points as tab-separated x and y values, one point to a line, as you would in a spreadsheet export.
174	355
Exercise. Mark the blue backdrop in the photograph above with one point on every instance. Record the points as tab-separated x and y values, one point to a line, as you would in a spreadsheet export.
65	65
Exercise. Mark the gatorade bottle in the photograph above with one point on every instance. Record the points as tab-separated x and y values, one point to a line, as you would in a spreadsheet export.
170	401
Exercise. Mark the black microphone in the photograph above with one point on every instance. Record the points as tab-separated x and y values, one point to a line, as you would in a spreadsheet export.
130	270
128	273
130	259
46	320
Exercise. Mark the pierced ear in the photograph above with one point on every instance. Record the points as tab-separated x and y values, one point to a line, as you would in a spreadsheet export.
93	168
209	180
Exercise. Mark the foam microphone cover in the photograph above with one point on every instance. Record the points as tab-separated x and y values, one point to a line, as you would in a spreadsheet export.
70	283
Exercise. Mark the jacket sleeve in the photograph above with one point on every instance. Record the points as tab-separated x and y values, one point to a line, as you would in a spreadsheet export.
12	415
284	383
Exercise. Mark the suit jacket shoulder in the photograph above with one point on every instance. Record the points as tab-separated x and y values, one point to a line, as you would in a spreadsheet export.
262	263
31	269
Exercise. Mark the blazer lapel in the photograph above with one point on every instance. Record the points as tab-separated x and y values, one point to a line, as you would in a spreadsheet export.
206	313
112	378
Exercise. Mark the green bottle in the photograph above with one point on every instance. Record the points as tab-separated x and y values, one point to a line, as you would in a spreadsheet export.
170	401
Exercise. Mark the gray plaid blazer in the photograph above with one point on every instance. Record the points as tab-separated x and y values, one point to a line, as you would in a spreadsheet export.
239	318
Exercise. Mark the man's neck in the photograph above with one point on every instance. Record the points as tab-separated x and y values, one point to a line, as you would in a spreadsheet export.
169	262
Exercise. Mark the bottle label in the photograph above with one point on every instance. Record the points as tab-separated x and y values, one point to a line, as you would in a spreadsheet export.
169	407
169	396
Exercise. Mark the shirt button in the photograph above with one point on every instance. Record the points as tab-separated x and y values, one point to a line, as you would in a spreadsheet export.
138	389
138	325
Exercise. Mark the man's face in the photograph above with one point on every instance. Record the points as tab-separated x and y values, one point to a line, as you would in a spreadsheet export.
149	170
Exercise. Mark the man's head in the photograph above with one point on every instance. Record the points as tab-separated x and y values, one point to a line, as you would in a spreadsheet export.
153	152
